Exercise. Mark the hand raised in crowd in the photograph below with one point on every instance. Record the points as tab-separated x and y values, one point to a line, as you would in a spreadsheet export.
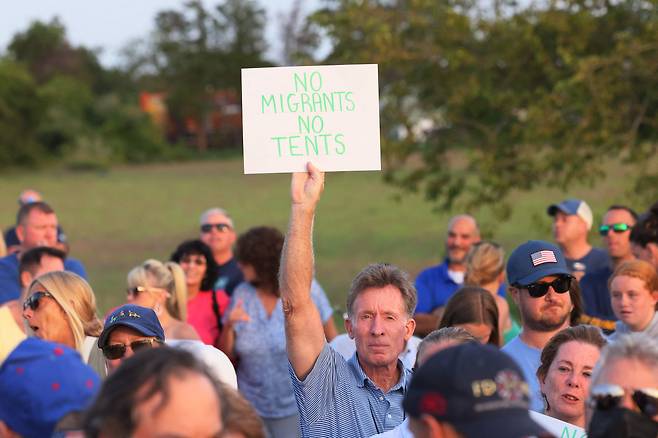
307	187
238	314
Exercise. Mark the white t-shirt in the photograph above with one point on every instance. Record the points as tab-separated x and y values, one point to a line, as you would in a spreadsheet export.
218	363
456	276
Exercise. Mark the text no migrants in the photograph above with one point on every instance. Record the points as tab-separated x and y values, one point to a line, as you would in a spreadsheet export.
325	114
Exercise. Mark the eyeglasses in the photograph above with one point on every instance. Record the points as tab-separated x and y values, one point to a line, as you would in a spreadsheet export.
607	396
222	228
537	290
617	228
117	351
33	300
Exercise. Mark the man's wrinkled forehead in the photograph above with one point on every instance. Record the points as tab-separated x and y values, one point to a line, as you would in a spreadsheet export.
387	299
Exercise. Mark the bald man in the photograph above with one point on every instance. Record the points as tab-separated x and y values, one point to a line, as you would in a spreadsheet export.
436	284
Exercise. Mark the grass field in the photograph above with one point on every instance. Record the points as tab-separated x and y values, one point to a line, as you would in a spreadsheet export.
118	218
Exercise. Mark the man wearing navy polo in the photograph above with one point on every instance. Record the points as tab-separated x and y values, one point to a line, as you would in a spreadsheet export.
362	396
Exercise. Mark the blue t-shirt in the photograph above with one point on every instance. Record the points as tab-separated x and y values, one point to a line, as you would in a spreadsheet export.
229	276
10	285
260	344
596	296
528	358
593	261
435	287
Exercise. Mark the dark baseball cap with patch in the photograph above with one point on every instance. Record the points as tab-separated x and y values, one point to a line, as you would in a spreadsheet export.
141	319
477	389
533	261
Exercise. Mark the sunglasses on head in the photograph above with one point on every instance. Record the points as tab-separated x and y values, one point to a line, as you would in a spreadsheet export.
537	290
617	228
136	290
33	300
207	228
117	351
606	396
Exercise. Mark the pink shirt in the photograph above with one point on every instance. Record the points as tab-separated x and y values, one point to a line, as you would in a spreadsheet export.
202	317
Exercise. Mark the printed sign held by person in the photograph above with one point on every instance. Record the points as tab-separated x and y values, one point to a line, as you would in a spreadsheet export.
325	114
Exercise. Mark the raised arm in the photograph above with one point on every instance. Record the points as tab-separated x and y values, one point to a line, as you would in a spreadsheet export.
304	332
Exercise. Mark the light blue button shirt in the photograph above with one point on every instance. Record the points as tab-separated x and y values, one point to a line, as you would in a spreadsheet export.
337	399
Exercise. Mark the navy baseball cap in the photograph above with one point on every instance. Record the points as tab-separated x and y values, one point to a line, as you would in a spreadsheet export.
476	388
141	319
40	383
534	260
571	207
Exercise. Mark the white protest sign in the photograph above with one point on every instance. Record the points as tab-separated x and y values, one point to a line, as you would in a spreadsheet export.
326	114
558	428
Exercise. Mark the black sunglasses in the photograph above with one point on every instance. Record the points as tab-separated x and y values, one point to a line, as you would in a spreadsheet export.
606	396
33	300
617	228
117	351
207	228
537	290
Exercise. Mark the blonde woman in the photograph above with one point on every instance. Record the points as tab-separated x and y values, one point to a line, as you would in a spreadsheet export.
60	307
161	287
485	267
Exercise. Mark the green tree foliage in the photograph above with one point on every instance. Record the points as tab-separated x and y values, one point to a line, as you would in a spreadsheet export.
476	103
57	102
195	51
20	110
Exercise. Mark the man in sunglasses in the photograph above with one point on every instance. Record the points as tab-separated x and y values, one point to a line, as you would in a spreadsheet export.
540	284
572	220
623	399
218	233
615	230
127	330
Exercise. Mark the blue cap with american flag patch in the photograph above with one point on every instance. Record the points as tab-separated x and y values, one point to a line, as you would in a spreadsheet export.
534	260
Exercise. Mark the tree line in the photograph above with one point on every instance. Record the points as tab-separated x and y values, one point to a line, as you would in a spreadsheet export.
476	100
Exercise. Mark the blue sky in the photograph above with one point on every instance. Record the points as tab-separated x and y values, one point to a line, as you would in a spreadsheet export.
111	25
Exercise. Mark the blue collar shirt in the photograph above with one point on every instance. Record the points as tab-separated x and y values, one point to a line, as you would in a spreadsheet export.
337	399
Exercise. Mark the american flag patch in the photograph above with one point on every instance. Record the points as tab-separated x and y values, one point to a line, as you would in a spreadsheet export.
541	257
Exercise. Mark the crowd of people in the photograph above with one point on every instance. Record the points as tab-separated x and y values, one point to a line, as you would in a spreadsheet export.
235	337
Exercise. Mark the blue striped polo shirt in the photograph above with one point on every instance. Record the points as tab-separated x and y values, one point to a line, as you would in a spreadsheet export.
337	399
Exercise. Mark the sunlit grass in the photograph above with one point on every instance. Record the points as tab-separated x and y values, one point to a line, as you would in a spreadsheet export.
118	218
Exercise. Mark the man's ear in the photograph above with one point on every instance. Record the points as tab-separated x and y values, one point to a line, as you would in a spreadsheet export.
349	328
26	278
410	328
20	233
432	426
